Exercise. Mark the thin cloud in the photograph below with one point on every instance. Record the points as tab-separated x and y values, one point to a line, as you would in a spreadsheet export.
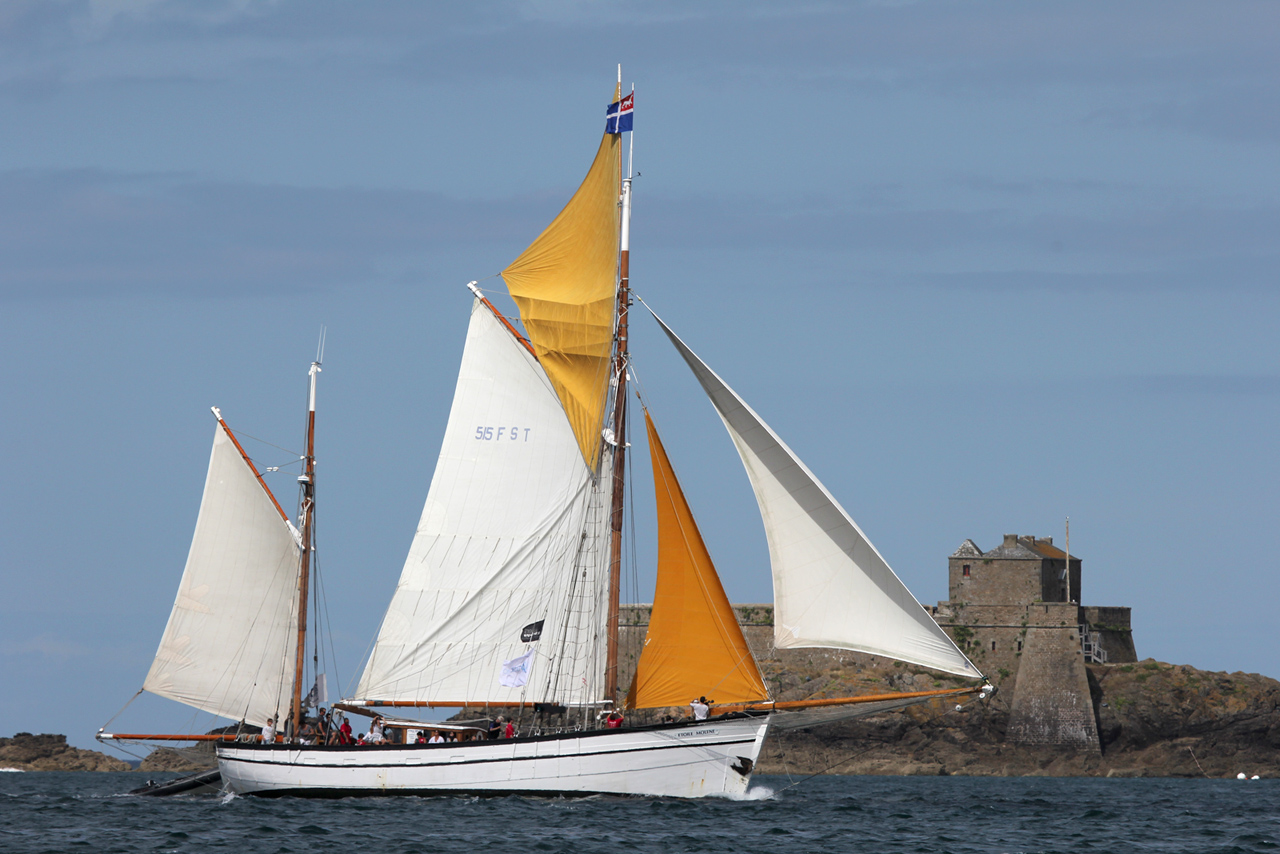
84	232
1225	385
941	47
87	232
45	646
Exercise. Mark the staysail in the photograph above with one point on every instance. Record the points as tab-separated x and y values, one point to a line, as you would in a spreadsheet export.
230	642
694	646
510	551
564	285
831	588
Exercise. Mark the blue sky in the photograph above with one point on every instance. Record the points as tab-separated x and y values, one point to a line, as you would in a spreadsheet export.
983	265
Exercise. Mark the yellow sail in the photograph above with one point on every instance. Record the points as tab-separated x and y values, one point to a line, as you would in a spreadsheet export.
564	285
694	646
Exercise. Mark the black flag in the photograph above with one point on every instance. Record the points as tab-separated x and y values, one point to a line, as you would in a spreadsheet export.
531	632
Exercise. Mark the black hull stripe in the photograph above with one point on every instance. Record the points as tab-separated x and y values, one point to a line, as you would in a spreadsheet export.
334	794
674	746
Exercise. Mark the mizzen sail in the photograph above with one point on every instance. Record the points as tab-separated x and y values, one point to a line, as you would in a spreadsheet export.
230	642
694	645
510	552
831	588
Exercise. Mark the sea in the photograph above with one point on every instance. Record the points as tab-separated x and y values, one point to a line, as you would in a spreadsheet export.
90	812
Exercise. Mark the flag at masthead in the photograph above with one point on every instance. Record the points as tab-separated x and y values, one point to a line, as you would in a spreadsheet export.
617	117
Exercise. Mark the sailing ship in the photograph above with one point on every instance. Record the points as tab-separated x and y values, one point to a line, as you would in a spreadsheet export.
509	597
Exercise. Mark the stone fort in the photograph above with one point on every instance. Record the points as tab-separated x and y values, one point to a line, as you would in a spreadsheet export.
1015	612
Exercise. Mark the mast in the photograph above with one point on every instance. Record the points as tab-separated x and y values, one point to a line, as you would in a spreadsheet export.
308	481
619	429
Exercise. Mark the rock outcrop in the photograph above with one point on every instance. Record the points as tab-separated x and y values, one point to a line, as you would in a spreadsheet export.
27	752
186	760
1153	719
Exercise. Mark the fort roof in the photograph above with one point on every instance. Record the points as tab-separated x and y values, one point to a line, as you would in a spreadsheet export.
1014	547
1043	546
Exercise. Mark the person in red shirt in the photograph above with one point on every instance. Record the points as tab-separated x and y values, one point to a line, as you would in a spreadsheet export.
510	731
614	721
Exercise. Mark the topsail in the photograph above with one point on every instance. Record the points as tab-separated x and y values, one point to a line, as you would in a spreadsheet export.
564	285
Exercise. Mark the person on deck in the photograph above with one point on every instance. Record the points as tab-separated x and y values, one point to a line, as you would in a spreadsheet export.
510	731
701	708
323	729
435	737
269	731
495	728
344	732
614	721
375	731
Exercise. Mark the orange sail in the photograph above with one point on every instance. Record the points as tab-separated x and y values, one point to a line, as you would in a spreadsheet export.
565	285
694	646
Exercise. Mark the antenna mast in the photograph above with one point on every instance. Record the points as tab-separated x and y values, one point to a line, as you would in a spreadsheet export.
1068	553
619	423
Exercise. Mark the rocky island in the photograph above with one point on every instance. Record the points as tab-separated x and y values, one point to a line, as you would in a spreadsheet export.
45	752
1154	720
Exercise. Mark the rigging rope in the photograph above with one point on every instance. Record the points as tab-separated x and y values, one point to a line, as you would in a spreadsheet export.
122	708
242	435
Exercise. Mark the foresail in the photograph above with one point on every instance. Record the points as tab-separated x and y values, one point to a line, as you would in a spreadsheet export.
565	285
694	646
831	587
510	552
229	645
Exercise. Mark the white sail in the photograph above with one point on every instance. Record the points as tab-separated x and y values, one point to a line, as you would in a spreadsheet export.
229	645
512	542
831	588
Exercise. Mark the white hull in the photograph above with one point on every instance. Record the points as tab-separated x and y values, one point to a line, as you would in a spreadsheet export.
686	760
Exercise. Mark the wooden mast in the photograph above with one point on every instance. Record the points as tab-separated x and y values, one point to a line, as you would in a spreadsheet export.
308	482
619	429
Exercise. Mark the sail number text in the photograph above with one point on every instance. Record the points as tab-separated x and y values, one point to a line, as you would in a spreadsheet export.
503	434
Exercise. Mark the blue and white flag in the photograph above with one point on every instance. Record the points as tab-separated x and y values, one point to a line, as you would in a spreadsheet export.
617	117
515	673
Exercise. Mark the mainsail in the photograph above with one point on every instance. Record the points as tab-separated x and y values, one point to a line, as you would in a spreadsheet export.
694	645
831	588
510	550
231	638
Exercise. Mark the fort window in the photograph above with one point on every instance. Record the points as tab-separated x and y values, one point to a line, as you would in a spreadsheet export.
966	570
1019	646
993	646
